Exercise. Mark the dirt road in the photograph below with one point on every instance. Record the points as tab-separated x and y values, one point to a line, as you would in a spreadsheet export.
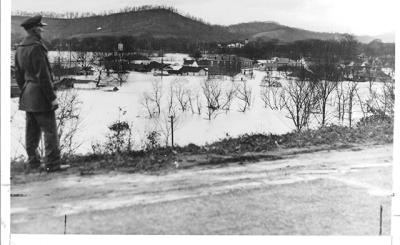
336	192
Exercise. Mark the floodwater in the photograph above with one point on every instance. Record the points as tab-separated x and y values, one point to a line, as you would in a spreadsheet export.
100	108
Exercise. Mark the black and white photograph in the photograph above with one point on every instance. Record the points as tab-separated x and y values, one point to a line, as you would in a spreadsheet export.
224	117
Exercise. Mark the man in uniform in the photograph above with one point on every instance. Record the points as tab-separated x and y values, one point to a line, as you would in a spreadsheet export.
37	98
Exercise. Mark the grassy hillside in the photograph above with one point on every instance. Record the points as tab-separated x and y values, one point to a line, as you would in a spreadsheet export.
253	28
273	30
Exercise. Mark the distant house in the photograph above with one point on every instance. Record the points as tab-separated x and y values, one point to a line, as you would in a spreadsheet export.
235	45
190	62
203	62
283	62
245	63
193	71
157	72
228	65
85	84
175	70
278	63
143	62
161	69
155	65
362	56
266	65
138	67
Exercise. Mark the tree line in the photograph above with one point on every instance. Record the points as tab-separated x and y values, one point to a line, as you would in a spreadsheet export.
131	44
345	49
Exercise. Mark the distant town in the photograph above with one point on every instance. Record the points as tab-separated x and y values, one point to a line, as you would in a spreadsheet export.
363	66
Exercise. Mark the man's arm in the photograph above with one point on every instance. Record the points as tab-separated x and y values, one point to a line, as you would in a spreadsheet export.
42	72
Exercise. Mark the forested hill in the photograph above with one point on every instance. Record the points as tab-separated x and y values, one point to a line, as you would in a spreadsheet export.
158	23
164	23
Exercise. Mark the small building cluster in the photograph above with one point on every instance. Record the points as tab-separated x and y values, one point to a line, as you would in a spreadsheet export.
235	44
214	64
277	63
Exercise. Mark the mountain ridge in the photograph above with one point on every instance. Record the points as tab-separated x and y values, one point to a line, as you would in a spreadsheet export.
163	23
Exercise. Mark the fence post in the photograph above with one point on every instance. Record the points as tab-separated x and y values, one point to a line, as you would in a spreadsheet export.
172	131
380	220
65	224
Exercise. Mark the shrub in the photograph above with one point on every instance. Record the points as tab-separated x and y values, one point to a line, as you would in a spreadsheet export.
119	139
152	141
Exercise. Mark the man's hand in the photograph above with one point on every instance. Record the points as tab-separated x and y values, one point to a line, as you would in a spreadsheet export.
54	104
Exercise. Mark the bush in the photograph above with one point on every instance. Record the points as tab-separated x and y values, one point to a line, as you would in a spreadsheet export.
119	139
152	141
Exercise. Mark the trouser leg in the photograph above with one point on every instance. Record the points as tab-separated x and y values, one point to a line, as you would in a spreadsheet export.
47	123
32	139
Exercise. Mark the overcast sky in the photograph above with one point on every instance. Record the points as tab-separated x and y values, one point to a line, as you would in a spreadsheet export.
360	17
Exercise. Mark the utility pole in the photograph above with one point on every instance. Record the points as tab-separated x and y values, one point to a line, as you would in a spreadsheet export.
59	61
69	42
162	63
120	50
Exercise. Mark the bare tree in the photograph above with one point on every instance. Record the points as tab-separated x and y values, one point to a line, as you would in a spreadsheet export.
352	91
98	66
387	97
181	93
84	60
341	100
148	105
324	89
382	98
191	102
68	121
121	78
198	103
213	93
152	101
171	102
365	102
326	77
271	97
229	95
164	126
244	94
298	98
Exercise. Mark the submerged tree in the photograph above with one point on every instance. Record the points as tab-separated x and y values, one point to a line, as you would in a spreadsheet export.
326	78
244	94
298	98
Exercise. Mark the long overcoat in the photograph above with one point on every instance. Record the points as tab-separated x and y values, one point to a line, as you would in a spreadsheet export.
33	75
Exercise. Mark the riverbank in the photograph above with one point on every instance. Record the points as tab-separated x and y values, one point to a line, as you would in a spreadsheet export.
243	150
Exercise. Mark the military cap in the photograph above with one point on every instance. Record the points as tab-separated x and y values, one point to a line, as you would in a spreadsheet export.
33	21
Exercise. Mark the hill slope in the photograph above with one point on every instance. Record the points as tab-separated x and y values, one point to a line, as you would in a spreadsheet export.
164	23
273	30
159	23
